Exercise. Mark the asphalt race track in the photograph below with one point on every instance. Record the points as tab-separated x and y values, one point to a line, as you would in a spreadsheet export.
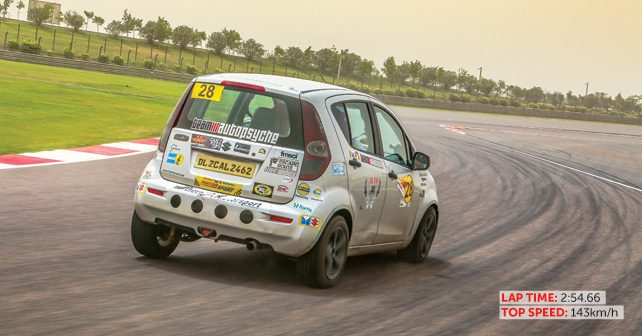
525	204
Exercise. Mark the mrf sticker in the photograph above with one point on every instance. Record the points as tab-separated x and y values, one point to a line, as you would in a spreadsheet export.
310	221
406	186
371	191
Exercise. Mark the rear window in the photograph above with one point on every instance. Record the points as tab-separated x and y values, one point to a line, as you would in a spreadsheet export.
256	116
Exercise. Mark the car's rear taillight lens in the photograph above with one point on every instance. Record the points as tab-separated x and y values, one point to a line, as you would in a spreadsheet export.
173	119
155	191
317	152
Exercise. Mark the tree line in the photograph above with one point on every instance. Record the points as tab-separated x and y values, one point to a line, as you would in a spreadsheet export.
331	63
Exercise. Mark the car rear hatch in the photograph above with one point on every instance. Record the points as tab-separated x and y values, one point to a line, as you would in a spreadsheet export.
236	139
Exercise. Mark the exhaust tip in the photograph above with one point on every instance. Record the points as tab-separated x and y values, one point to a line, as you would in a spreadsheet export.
253	245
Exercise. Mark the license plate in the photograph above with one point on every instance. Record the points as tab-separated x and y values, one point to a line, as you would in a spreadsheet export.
225	166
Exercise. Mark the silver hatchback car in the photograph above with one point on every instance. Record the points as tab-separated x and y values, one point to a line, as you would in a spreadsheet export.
308	170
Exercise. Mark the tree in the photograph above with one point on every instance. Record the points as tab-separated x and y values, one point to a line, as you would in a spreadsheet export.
39	15
130	23
20	6
232	39
277	54
4	7
216	43
74	20
428	75
501	88
89	15
197	38
251	50
326	60
447	78
182	36
414	69
115	28
147	32
390	68
349	64
162	30
98	21
292	56
365	69
487	86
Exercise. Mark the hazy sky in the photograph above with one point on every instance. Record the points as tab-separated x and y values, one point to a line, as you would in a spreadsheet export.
556	44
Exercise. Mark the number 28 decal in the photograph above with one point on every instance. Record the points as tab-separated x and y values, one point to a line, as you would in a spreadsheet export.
205	91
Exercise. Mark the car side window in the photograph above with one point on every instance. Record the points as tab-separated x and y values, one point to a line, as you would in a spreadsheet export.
392	138
339	114
360	126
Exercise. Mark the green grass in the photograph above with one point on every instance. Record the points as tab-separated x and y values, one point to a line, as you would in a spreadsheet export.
39	115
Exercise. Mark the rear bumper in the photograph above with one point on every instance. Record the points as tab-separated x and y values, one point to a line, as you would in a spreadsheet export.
291	239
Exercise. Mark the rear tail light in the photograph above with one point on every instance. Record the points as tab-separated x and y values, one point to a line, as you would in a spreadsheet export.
155	191
280	219
173	119
317	152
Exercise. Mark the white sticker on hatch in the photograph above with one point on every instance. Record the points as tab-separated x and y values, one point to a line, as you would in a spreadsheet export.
283	165
235	131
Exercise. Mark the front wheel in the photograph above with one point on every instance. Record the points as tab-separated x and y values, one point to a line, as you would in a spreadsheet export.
152	241
421	243
323	265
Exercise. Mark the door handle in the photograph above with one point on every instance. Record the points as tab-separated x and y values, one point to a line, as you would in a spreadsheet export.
354	163
392	174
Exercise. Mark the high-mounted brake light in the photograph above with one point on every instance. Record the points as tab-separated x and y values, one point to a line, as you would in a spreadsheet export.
243	85
317	152
275	218
173	119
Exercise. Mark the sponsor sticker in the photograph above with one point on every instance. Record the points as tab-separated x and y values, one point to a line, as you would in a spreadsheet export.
338	169
354	155
303	189
263	190
218	185
310	221
262	151
242	148
206	91
235	131
282	188
140	188
372	161
207	142
175	158
288	155
316	194
226	146
406	187
371	191
219	197
173	172
147	174
283	167
301	207
181	137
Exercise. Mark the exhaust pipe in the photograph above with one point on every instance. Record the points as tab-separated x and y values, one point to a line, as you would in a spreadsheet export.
253	245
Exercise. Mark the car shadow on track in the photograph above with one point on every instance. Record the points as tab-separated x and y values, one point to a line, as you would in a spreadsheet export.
266	270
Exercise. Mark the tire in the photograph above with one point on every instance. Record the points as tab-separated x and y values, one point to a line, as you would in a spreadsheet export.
421	243
152	241
322	266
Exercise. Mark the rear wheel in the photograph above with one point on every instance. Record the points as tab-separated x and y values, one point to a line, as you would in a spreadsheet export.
421	243
323	265
152	241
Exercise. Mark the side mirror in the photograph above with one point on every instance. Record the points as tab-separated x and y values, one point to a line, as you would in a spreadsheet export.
420	161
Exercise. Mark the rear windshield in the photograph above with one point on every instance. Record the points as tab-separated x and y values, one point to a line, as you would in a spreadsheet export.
243	114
